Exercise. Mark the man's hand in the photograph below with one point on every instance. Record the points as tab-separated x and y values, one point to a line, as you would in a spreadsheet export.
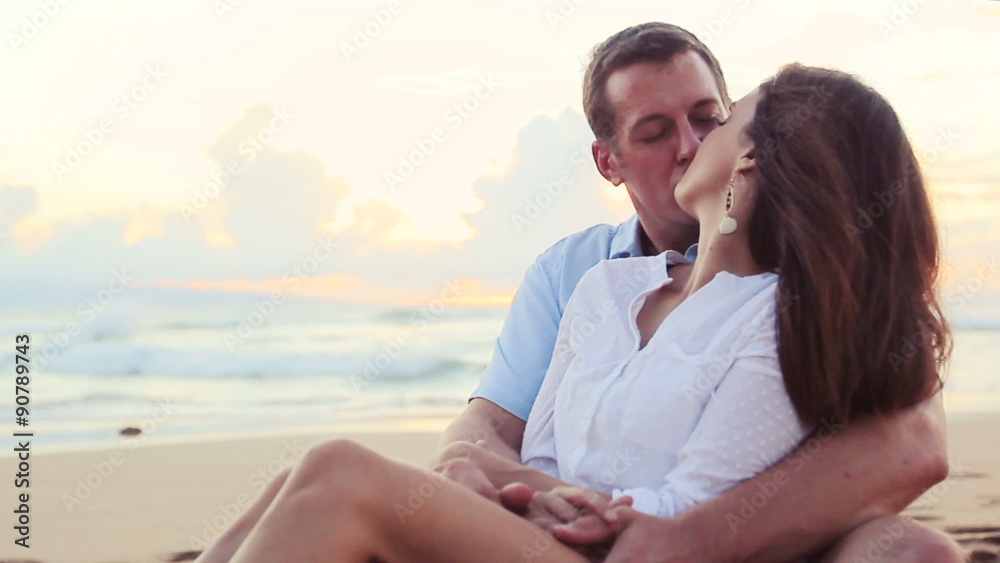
465	472
642	537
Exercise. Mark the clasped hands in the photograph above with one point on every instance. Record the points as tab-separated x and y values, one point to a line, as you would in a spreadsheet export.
573	515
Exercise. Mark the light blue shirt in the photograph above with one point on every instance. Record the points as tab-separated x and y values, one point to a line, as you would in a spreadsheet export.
524	349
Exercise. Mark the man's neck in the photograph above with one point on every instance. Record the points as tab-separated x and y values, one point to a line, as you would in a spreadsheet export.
671	236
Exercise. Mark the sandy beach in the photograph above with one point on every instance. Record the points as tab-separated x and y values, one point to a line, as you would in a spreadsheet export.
147	501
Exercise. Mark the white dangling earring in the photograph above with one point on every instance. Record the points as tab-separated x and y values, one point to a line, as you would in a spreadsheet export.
728	224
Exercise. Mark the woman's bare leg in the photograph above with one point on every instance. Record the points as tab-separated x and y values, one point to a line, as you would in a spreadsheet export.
346	503
225	546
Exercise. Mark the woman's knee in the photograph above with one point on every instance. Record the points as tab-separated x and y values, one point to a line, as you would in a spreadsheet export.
332	467
898	539
929	545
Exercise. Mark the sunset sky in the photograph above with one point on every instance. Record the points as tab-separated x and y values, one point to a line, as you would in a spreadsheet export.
382	148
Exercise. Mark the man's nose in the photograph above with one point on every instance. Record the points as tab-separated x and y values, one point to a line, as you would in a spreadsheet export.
688	143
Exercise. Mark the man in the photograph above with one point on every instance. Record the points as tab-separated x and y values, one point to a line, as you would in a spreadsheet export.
651	94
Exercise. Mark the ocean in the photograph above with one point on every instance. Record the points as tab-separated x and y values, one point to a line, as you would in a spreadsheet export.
183	365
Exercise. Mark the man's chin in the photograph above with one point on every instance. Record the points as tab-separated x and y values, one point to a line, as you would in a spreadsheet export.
679	217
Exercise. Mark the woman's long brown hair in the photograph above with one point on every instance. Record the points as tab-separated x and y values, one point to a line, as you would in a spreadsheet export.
843	216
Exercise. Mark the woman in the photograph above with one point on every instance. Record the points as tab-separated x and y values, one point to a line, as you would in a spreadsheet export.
807	301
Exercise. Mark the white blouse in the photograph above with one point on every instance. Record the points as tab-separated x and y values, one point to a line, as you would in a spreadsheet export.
697	410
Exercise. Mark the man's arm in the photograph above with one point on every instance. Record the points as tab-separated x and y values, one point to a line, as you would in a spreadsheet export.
836	480
487	421
503	471
507	390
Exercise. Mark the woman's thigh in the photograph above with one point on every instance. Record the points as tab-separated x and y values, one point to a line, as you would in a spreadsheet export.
421	516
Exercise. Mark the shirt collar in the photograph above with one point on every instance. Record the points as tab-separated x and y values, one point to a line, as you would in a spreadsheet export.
627	242
692	253
672	258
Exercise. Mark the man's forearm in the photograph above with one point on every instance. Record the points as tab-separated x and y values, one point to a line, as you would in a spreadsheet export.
500	470
466	430
837	479
484	420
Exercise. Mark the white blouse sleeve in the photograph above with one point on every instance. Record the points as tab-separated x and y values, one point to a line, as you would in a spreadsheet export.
748	424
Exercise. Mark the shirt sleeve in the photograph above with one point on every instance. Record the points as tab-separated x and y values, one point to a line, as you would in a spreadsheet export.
524	348
748	425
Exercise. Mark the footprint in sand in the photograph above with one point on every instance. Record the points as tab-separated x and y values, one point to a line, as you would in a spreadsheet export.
980	556
979	539
989	500
183	556
962	475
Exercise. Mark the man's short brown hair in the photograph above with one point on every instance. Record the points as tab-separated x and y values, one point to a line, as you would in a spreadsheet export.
647	42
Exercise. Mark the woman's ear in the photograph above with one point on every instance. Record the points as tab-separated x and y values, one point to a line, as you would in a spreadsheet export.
747	164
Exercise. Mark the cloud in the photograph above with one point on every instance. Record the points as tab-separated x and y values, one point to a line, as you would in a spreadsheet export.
16	203
273	209
551	190
274	213
277	201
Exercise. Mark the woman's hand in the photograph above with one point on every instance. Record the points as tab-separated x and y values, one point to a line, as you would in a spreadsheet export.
574	515
465	472
597	522
544	509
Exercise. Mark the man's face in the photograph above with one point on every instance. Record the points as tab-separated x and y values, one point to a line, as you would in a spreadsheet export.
726	152
663	111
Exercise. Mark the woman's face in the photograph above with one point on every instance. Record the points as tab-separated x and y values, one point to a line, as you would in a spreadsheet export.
702	191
